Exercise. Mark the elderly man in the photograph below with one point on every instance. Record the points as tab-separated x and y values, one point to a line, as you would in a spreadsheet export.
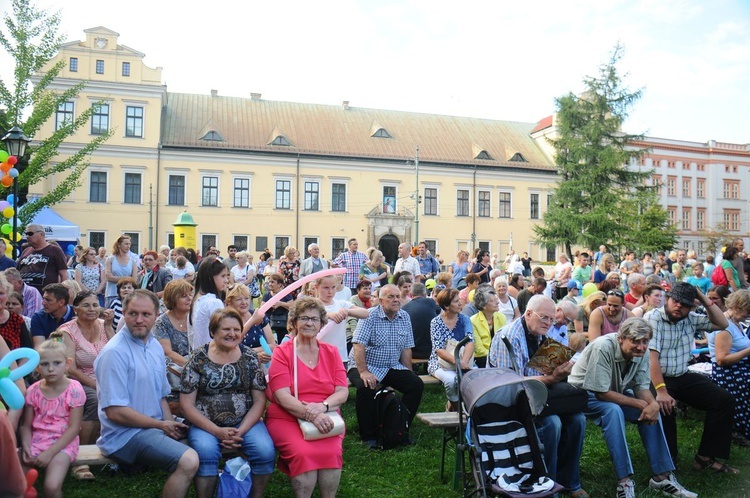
407	262
152	277
428	265
314	263
421	310
381	355
614	369
41	263
137	425
636	285
674	327
32	298
565	313
561	435
352	260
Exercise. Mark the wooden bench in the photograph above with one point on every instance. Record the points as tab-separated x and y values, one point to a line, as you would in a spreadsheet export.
89	454
448	422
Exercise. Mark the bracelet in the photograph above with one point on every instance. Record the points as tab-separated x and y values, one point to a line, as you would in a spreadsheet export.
659	386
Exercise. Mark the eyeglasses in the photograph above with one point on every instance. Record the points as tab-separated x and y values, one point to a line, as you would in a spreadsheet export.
544	319
615	292
309	319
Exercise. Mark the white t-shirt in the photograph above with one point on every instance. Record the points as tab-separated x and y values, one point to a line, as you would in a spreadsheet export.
243	275
336	336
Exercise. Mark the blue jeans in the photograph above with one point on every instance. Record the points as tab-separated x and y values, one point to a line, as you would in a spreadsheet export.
611	418
256	446
562	437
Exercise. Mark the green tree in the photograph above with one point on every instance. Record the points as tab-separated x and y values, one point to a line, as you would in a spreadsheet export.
30	36
716	237
600	198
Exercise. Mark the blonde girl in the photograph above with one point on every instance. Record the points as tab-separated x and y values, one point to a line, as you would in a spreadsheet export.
52	416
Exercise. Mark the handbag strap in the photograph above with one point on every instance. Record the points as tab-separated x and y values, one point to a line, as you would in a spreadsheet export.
294	346
512	354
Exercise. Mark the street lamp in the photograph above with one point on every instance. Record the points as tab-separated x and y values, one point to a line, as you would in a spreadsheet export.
15	143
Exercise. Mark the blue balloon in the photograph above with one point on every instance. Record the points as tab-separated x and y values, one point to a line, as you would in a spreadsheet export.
13	173
264	345
8	389
10	199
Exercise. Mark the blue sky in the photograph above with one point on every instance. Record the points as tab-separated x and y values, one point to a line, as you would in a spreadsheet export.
489	59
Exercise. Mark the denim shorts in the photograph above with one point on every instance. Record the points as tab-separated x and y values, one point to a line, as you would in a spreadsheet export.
153	448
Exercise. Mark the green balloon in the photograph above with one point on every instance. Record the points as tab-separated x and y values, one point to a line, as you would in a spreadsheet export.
6	228
3	156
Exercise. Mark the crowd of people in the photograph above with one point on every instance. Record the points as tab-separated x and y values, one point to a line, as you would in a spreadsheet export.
167	360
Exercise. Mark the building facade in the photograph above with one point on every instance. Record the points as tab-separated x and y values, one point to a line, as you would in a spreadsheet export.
258	173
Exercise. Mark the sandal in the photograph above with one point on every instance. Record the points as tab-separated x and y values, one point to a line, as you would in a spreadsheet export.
82	473
714	465
580	493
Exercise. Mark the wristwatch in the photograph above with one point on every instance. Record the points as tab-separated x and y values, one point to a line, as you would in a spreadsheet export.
325	403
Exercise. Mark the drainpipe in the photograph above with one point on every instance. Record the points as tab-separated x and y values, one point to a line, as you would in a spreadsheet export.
474	211
296	209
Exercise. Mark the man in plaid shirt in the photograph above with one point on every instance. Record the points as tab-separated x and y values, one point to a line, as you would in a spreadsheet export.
381	354
674	327
352	260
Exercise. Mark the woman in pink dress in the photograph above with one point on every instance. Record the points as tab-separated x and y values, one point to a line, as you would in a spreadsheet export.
322	388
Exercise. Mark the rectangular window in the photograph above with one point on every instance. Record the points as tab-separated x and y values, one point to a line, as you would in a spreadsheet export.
505	205
735	190
132	188
279	245
207	241
656	182
700	219
241	241
338	245
170	239
242	193
97	239
312	196
686	190
671	186
389	199
283	194
462	203
98	186
99	119
261	243
176	195
686	221
430	201
126	69
135	241
735	221
534	207
483	209
484	245
73	66
210	191
431	246
551	253
700	188
64	115
338	197
307	242
99	66
727	189
133	121
672	215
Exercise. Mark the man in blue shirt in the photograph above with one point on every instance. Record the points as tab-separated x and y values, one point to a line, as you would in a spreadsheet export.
381	354
137	425
428	265
5	261
55	311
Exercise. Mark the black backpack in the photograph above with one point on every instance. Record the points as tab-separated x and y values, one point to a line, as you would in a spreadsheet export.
392	419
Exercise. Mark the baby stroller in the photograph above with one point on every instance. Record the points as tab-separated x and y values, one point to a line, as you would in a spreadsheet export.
502	443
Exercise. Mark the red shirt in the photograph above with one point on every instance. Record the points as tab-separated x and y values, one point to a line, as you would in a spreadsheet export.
630	299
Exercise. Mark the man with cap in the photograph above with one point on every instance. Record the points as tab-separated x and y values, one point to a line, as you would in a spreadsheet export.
574	290
675	325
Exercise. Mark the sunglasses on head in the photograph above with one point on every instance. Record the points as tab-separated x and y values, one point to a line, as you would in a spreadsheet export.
615	292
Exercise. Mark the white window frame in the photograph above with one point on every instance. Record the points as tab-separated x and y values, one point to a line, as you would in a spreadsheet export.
499	203
394	185
135	103
185	174
106	171
137	170
489	195
218	189
249	179
305	181
468	188
436	186
289	179
345	183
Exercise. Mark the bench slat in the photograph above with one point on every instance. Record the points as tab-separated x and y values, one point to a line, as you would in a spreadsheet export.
439	420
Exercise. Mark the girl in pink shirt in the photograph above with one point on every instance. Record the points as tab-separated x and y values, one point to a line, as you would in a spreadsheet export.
52	416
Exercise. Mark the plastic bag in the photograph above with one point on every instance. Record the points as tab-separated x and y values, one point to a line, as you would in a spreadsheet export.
236	480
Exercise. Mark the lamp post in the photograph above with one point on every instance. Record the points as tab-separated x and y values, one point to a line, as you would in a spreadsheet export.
15	143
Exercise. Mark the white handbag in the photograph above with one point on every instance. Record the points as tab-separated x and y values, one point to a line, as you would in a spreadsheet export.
309	431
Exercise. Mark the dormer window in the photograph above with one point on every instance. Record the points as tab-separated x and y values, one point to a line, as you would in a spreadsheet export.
212	136
484	155
281	140
518	158
381	133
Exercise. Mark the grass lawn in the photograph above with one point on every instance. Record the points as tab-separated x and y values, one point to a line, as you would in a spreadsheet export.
414	471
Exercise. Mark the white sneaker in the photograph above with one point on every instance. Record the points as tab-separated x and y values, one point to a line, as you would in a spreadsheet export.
626	489
671	487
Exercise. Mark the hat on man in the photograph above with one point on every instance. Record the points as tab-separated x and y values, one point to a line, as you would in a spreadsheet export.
574	284
684	293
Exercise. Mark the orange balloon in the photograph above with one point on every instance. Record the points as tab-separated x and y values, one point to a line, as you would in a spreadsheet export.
6	181
5	166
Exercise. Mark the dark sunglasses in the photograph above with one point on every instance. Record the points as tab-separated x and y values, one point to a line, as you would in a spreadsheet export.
29	234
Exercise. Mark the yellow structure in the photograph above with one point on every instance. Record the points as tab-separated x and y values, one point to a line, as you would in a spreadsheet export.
259	173
184	231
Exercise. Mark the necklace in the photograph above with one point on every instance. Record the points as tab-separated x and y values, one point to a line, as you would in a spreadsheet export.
180	324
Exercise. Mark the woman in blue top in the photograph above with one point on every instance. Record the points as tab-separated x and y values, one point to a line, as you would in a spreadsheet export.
730	352
450	324
460	267
119	265
238	297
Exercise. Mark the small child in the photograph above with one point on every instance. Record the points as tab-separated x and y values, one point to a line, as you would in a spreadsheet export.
52	416
699	279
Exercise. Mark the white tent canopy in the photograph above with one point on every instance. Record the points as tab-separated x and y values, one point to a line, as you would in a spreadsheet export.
55	226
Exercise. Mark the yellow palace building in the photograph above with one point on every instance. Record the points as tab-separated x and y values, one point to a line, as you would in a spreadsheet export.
259	173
